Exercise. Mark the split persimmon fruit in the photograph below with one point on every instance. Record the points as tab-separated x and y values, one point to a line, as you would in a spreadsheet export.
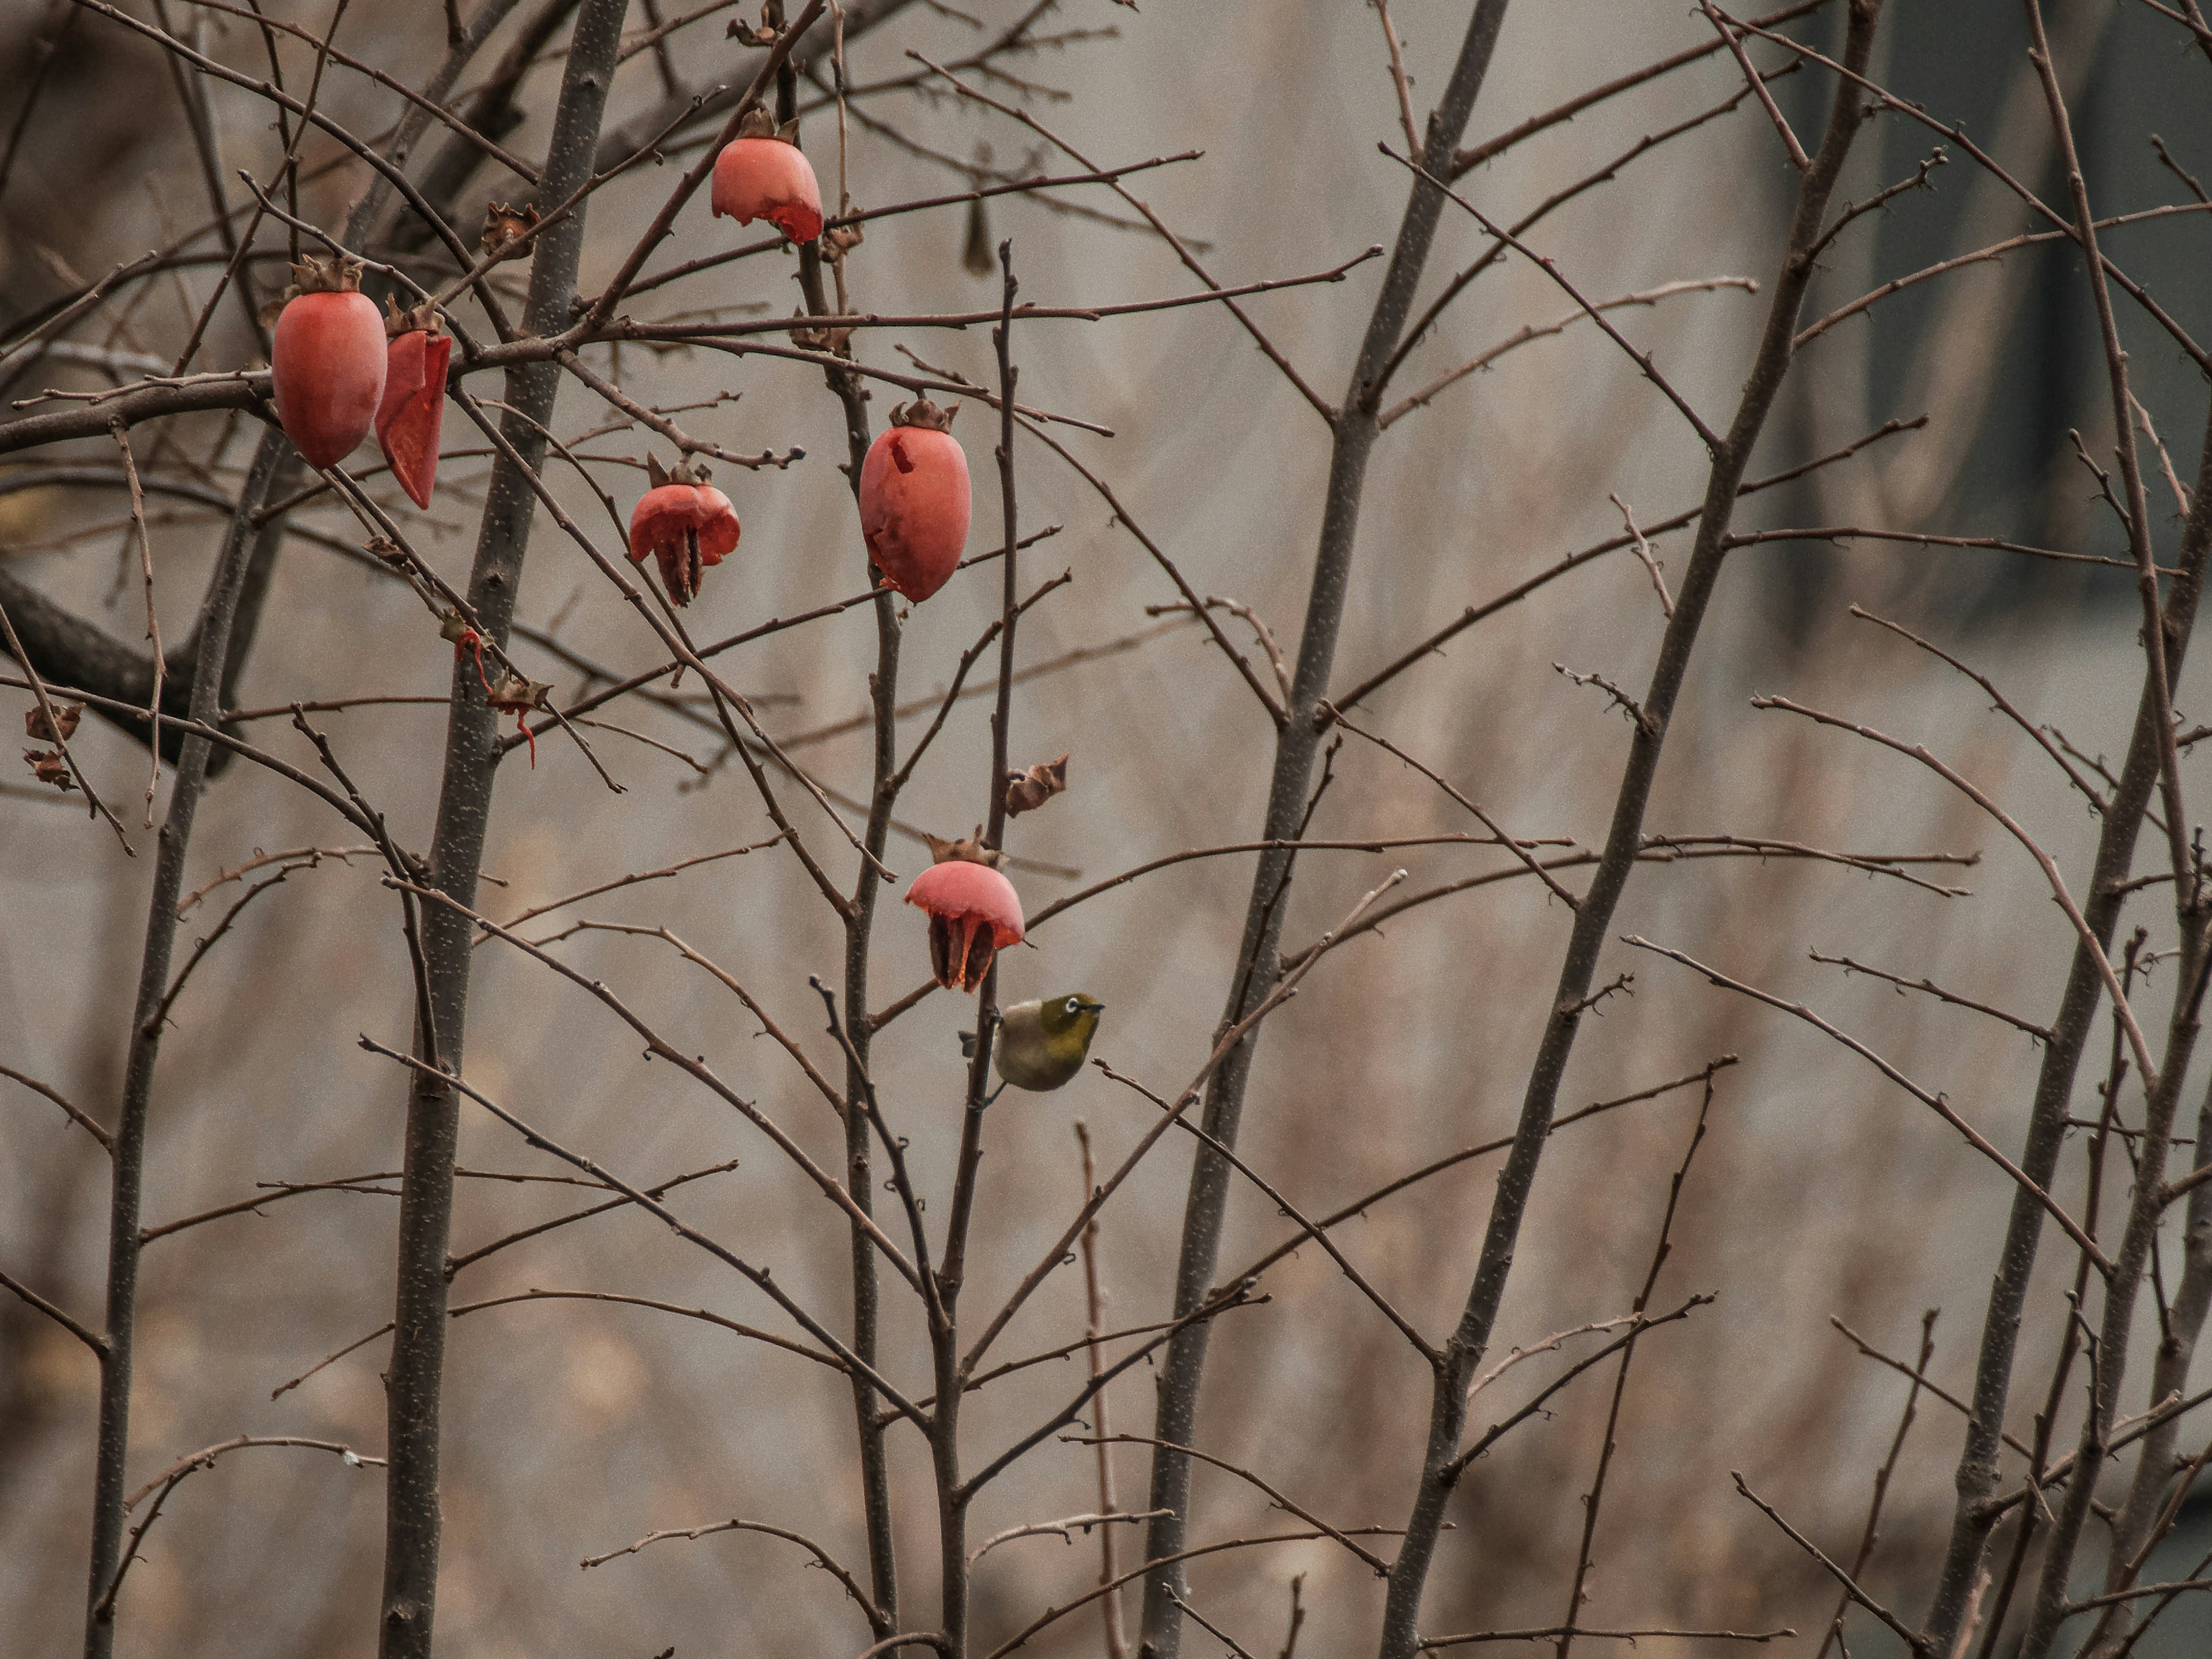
685	524
974	912
413	408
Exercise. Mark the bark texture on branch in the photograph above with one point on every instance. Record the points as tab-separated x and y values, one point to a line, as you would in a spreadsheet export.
1297	739
870	1427
1470	1338
1975	1517
128	1147
473	754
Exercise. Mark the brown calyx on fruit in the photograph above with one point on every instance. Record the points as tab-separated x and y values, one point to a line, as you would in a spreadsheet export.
969	850
422	318
339	274
924	414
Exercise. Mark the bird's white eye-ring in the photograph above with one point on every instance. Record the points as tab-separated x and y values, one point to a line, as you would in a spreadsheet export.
1073	1005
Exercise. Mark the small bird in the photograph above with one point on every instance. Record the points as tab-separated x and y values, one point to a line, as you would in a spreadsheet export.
1042	1044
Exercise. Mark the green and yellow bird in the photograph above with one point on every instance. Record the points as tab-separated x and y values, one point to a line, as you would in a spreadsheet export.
1042	1044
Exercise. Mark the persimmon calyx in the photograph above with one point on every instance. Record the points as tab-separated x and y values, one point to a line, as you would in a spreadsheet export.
968	849
339	274
423	319
683	472
507	231
924	414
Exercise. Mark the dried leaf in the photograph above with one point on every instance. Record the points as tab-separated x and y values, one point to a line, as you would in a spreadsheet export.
820	339
67	714
1027	790
513	695
47	766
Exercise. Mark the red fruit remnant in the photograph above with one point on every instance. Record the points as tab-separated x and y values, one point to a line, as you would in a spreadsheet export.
973	910
413	408
685	524
327	361
759	174
914	499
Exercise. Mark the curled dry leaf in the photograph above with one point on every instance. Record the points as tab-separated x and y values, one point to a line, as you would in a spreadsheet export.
507	230
1027	790
514	694
820	339
37	727
746	34
48	766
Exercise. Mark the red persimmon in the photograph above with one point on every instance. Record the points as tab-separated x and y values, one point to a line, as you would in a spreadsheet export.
914	501
685	524
974	912
413	407
762	175
327	359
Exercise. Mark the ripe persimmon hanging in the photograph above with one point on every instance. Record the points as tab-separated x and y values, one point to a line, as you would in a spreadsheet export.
914	499
761	175
685	524
327	359
974	912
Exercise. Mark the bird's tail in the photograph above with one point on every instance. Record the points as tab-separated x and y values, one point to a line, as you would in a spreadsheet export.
967	1045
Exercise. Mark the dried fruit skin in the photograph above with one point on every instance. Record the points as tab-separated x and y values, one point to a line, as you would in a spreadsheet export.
974	914
767	178
413	409
326	367
686	527
914	507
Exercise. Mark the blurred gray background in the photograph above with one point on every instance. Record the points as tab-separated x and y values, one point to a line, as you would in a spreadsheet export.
1820	1191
